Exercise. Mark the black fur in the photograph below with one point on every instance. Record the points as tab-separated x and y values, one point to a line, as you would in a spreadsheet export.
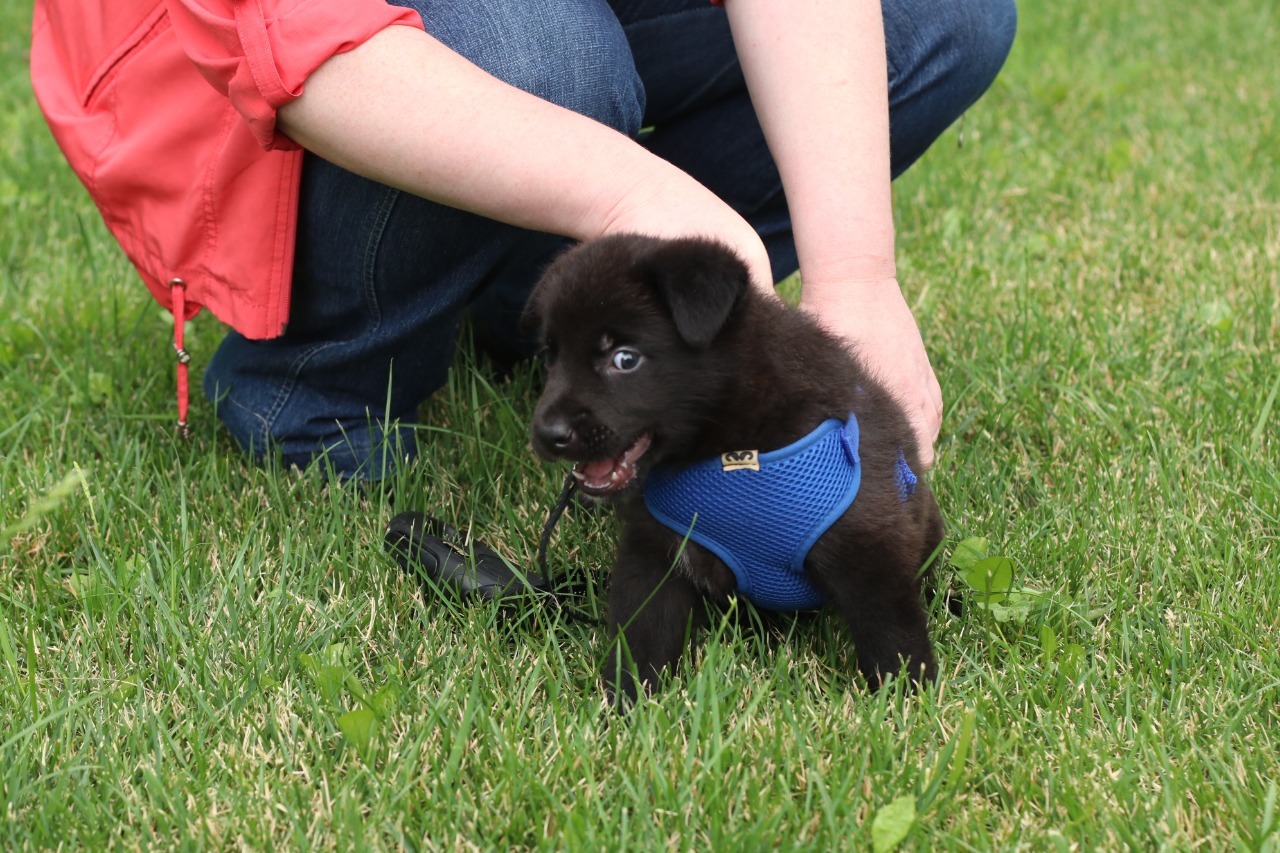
724	367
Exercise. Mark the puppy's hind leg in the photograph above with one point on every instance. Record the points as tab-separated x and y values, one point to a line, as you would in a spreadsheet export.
652	613
877	594
932	578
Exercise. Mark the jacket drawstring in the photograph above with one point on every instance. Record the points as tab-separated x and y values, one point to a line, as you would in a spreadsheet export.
178	288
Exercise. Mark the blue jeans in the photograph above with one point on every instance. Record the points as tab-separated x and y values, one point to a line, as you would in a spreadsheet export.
382	278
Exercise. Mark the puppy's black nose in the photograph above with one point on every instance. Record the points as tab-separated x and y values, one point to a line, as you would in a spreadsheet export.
553	434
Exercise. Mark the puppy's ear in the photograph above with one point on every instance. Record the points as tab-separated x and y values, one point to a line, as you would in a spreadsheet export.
555	278
533	318
530	324
700	281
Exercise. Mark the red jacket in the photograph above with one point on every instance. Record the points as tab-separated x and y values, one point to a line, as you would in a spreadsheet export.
166	111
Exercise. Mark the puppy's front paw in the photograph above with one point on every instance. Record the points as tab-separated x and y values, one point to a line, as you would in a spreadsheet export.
622	689
919	670
653	615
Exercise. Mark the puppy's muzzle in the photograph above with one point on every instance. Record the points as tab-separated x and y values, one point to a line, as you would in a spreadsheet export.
552	436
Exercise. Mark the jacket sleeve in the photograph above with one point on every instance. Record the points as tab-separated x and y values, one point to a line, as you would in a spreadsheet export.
259	53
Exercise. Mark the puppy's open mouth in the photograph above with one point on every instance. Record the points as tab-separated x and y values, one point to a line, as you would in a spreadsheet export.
606	476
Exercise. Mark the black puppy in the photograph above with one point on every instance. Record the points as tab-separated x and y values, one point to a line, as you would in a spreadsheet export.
670	380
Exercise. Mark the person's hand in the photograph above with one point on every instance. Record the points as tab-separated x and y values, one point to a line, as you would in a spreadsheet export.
817	73
875	318
664	202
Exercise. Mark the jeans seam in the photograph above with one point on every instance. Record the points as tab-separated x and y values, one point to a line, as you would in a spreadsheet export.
372	248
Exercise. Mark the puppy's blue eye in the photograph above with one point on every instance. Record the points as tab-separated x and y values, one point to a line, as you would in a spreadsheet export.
625	360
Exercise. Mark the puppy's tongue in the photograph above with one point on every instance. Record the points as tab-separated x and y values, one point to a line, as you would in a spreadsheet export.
604	476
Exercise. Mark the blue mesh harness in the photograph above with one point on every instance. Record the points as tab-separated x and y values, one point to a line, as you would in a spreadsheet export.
761	513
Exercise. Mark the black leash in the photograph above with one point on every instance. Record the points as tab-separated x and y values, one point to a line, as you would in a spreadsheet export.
553	518
554	583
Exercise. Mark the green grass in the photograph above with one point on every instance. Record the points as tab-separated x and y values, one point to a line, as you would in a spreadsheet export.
1095	267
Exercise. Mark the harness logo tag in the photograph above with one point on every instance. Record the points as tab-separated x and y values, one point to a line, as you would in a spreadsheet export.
740	460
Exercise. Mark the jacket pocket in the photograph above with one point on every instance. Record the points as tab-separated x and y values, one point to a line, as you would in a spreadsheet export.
153	25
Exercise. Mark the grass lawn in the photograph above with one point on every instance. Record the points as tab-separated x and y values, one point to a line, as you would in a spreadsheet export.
197	651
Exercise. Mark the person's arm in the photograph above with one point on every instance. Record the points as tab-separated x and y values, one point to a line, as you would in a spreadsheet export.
817	74
405	110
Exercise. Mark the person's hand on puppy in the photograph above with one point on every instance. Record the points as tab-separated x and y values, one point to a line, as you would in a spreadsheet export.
819	81
874	317
662	201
